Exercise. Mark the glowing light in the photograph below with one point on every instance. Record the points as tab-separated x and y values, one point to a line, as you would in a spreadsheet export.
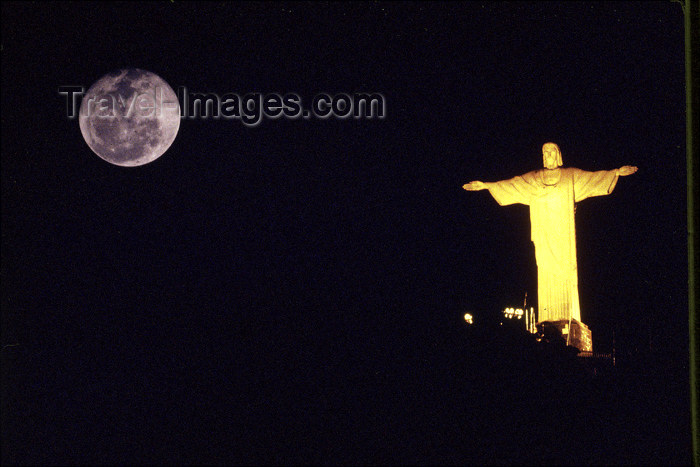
511	313
468	318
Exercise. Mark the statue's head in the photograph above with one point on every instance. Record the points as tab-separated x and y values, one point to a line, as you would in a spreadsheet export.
551	156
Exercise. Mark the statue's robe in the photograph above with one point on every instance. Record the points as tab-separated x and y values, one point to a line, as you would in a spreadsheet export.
553	231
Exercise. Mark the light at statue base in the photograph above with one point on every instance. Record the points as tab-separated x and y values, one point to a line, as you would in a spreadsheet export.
525	316
576	334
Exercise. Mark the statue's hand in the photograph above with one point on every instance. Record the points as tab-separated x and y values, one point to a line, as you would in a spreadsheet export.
474	186
627	170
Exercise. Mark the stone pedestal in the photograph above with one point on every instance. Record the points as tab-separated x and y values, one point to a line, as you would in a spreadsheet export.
577	335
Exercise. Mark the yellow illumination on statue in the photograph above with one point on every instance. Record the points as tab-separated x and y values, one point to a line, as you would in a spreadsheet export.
551	193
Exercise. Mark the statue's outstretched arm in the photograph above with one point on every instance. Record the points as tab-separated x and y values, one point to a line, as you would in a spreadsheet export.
626	170
476	186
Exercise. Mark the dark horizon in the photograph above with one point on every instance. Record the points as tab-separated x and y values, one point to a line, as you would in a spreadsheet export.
327	256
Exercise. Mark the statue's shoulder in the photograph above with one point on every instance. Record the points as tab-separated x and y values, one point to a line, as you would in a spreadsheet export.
532	177
573	172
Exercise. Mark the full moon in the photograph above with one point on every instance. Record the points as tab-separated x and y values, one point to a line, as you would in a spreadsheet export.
130	117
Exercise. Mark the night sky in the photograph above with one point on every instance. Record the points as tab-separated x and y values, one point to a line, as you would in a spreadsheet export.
303	261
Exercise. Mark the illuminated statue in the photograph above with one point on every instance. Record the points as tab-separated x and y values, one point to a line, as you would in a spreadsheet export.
551	193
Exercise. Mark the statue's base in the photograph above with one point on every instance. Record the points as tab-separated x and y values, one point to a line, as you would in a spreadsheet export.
576	335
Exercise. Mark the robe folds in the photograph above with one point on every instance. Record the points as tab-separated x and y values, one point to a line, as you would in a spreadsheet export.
553	231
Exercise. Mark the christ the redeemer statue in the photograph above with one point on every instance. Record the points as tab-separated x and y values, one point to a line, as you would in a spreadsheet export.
551	193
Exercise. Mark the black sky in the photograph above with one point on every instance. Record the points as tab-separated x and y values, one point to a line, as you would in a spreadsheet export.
349	244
